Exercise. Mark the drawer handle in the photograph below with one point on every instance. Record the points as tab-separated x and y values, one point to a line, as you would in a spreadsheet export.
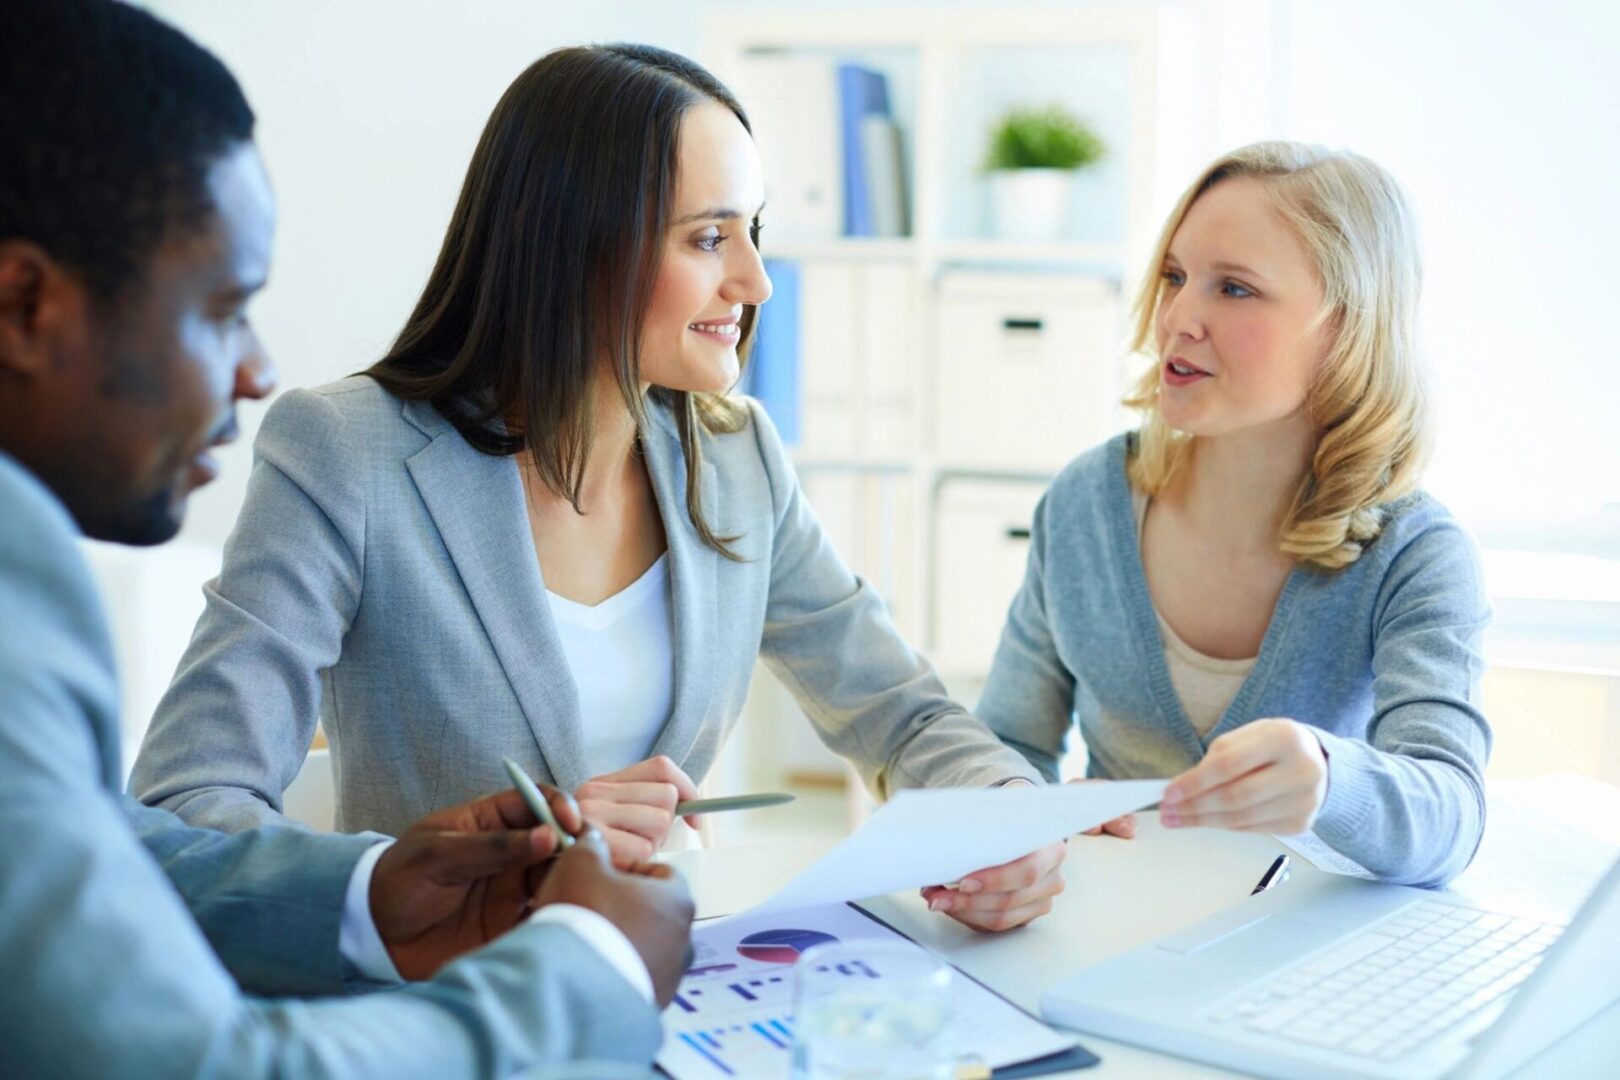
1016	532
1032	325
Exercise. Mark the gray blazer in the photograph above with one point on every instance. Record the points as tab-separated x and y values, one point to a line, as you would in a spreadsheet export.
130	942
382	578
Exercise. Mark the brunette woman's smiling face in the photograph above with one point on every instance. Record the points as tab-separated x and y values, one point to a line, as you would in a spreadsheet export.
711	268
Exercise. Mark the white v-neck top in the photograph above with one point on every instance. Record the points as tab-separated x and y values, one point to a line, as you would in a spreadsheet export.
1205	684
621	653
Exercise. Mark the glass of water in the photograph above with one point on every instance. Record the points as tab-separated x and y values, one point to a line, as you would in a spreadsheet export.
875	1010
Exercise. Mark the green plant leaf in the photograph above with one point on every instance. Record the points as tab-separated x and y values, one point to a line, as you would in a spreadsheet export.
1042	137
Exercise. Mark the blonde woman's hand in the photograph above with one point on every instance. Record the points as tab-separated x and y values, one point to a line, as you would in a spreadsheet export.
635	807
1268	776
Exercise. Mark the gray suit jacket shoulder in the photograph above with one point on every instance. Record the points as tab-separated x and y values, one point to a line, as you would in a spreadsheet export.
127	939
382	578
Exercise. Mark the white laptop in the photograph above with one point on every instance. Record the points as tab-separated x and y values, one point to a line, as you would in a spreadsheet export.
1349	978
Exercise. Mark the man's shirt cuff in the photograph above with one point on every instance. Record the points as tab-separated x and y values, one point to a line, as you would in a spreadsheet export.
362	946
607	940
358	940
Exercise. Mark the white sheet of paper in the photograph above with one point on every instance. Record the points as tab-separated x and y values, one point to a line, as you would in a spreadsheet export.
733	1015
931	837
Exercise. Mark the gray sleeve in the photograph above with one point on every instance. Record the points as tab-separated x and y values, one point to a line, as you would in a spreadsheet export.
269	900
1029	698
829	639
1409	803
106	973
236	723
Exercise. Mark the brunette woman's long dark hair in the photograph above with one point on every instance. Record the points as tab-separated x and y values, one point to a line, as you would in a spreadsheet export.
552	251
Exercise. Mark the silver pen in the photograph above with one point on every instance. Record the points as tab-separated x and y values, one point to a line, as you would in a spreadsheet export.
536	801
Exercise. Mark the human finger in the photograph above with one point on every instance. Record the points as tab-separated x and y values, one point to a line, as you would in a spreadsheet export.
639	818
627	848
1230	756
1271	815
454	857
1124	827
650	793
1020	873
1261	785
957	902
659	769
998	921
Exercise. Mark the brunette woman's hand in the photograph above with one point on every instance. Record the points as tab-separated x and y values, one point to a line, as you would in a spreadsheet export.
1268	776
635	807
1005	896
1123	826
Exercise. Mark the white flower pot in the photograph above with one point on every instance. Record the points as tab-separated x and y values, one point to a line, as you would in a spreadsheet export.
1031	204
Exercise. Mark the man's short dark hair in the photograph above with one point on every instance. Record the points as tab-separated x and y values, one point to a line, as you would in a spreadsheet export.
109	123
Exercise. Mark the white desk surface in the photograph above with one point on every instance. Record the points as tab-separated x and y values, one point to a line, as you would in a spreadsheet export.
1548	841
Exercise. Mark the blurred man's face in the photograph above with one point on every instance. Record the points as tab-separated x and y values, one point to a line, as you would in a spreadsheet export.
158	372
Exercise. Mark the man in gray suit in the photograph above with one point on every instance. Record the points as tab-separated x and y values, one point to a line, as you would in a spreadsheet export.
135	224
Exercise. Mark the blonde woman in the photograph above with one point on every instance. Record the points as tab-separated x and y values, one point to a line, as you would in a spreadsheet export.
1251	593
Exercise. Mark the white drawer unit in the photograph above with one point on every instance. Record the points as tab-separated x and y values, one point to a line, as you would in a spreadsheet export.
1029	369
981	544
858	360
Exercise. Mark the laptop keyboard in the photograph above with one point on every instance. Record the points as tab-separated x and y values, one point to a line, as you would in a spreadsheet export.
1386	990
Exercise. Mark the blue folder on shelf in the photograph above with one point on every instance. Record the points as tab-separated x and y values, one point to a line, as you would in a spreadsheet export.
862	92
773	365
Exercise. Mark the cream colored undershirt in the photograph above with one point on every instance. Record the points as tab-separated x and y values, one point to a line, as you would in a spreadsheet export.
1206	685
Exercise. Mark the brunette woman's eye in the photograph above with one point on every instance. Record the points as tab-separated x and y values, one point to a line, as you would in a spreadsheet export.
711	243
754	229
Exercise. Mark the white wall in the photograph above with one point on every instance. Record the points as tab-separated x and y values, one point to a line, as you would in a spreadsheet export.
368	112
1500	119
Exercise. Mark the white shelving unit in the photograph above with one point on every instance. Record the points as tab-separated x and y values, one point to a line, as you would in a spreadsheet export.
873	305
1146	47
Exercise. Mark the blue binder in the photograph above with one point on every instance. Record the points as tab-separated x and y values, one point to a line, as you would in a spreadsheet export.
773	365
861	92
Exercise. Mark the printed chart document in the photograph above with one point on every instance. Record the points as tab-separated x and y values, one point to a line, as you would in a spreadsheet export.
733	1015
932	837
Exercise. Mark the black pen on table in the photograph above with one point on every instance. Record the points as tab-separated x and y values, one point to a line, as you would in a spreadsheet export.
1278	872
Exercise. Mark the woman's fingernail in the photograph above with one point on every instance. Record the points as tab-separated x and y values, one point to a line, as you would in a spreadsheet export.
938	903
970	885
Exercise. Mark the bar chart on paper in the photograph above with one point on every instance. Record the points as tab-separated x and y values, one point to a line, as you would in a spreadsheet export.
733	1013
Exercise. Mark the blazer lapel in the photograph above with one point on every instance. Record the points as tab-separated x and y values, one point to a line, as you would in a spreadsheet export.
477	503
693	568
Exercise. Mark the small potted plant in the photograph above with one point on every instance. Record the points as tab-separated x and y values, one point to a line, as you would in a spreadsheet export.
1032	159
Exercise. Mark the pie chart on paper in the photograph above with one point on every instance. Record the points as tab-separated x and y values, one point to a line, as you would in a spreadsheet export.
780	946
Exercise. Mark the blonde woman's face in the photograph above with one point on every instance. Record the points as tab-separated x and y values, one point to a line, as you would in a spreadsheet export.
1237	347
711	268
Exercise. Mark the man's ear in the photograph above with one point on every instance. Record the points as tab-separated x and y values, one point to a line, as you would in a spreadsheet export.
40	302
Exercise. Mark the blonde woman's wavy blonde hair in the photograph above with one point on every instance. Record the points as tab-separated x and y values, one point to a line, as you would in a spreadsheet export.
1368	399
